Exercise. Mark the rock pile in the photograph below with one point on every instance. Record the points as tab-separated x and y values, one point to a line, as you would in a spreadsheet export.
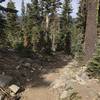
8	91
74	84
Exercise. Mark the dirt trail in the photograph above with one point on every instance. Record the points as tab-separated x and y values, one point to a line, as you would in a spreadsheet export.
35	74
42	92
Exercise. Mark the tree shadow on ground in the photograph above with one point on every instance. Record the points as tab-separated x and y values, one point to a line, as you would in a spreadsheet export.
14	66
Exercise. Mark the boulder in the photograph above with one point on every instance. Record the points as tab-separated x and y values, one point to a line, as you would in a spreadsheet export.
14	88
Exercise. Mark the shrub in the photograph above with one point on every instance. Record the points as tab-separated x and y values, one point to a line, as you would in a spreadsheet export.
94	65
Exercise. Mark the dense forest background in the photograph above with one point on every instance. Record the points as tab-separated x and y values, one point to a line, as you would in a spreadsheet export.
45	50
46	27
41	28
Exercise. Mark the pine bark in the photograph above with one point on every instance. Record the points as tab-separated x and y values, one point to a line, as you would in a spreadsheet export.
91	30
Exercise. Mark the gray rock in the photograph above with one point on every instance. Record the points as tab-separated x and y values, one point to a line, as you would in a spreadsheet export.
58	83
14	88
11	50
64	95
27	64
18	67
5	80
80	80
84	77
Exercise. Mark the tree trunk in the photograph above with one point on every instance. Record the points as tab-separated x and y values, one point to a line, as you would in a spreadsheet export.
91	30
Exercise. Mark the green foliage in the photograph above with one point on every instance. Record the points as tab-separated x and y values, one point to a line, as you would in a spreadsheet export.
12	26
66	22
2	30
40	26
19	46
74	39
22	51
2	23
82	14
79	47
23	25
81	27
61	42
73	96
50	24
33	22
94	65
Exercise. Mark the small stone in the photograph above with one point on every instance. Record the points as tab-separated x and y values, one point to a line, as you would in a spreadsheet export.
11	50
80	80
84	76
64	95
58	83
28	80
14	88
18	67
32	71
12	94
27	64
3	73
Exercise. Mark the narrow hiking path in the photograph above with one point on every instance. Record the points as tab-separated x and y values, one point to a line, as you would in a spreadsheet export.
46	92
35	74
70	80
42	92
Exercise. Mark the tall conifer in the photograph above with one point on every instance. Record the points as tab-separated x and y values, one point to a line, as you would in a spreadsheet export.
12	28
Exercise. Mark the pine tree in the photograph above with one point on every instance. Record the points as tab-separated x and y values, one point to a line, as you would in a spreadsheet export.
66	22
12	28
82	15
81	28
2	24
23	15
24	27
54	25
33	23
54	31
51	23
45	34
2	29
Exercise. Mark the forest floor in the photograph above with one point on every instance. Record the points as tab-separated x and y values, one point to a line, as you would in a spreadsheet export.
42	92
49	77
34	74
